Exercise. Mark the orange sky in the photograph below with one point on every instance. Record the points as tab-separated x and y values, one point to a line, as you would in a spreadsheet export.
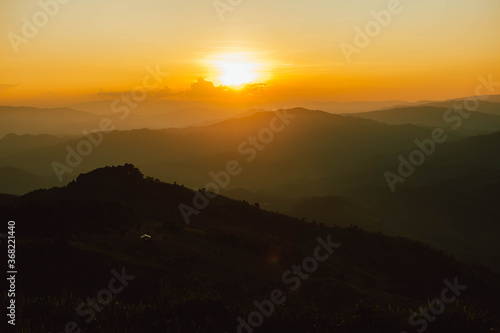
430	49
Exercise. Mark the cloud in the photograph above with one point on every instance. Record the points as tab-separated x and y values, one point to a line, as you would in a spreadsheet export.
200	90
256	89
203	89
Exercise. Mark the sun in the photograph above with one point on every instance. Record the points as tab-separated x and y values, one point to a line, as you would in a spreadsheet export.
236	69
236	74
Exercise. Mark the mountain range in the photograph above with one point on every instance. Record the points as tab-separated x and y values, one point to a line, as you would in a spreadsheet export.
211	273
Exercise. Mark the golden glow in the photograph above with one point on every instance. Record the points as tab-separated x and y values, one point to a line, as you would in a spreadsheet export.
427	52
236	70
235	74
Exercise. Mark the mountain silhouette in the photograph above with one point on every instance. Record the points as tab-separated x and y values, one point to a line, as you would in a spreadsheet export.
200	277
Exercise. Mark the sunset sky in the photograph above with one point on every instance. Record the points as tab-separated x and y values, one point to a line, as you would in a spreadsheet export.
432	49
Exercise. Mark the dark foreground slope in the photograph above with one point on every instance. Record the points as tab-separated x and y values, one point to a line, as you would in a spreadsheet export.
201	277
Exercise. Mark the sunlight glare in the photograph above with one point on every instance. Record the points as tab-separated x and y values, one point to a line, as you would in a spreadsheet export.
236	70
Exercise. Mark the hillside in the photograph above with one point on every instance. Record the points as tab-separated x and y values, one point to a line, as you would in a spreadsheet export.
55	121
14	144
17	181
489	106
312	145
72	121
200	277
438	115
322	167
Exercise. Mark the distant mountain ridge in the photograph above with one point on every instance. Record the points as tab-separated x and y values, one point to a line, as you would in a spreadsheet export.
13	143
477	122
316	143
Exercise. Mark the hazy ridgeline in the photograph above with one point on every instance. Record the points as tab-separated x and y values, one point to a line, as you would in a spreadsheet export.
284	178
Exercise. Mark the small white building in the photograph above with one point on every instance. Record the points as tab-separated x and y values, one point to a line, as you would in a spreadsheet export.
145	237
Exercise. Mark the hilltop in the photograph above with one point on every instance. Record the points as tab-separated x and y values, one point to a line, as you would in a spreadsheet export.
209	272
